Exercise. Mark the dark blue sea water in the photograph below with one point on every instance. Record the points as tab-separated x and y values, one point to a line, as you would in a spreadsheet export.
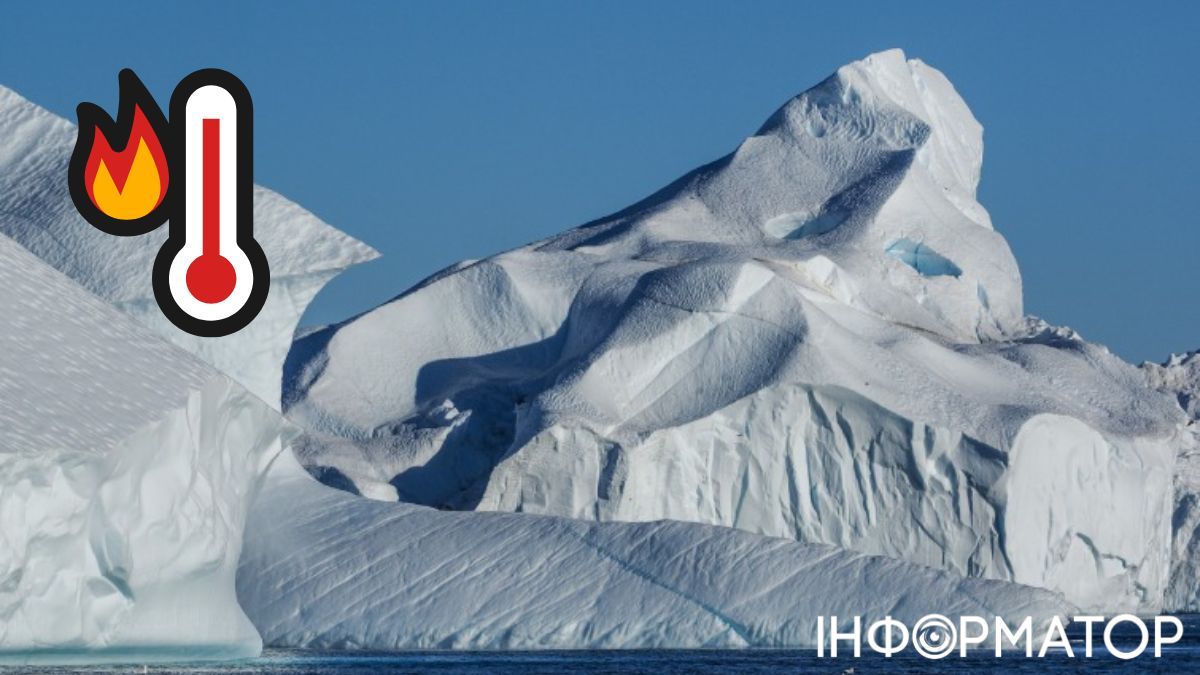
1181	658
651	662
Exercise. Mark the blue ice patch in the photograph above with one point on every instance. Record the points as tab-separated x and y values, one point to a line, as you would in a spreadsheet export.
926	261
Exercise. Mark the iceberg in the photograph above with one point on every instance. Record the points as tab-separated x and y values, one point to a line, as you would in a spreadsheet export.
127	467
819	337
814	350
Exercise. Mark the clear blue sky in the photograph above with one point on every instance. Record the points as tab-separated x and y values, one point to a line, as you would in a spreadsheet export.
443	131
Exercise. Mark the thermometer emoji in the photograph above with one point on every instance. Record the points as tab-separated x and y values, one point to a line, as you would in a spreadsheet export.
211	277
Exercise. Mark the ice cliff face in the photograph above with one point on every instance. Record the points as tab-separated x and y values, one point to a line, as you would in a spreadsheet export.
36	210
1179	377
433	579
126	470
817	337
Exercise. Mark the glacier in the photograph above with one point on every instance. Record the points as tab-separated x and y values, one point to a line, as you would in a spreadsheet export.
127	467
818	337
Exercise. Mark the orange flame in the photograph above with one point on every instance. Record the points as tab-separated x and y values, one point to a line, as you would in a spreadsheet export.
130	183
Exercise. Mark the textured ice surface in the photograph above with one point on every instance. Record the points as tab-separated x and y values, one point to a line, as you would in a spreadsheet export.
1180	378
126	469
323	568
741	349
36	210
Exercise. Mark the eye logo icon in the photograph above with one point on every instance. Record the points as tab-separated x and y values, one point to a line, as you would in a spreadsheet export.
129	176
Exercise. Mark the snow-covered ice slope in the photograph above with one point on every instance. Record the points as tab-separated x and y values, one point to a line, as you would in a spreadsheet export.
126	470
36	210
1180	378
324	568
819	337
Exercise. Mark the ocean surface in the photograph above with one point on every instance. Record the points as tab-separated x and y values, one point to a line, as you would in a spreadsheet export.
1183	657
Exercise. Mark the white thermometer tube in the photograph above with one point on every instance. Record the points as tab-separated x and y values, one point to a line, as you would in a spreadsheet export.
211	278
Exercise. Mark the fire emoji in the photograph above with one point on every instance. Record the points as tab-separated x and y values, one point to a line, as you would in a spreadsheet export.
210	277
129	184
119	176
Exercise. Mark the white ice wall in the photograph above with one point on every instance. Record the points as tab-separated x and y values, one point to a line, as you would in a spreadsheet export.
126	470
